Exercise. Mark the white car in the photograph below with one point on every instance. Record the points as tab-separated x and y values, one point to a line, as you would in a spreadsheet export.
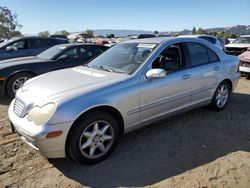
238	46
214	40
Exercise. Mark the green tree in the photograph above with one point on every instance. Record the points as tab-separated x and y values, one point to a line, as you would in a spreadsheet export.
62	32
89	32
43	34
201	31
8	23
156	32
194	31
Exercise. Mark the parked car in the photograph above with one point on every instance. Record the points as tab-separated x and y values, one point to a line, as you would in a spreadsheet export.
142	36
59	36
238	46
214	40
245	63
81	112
15	72
26	46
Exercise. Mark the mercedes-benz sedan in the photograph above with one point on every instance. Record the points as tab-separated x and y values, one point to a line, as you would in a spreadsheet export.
81	112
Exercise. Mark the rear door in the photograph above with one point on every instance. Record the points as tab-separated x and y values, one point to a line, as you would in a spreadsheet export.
206	69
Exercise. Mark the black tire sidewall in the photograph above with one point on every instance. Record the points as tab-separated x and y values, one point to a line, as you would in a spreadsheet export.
213	104
79	126
11	81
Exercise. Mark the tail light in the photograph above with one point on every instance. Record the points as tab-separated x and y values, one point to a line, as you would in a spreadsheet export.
238	68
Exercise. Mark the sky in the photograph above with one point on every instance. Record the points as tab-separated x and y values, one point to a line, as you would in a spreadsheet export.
150	15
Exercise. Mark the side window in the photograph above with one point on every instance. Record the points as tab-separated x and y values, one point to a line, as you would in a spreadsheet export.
71	53
85	52
20	45
212	56
36	43
197	53
170	59
100	49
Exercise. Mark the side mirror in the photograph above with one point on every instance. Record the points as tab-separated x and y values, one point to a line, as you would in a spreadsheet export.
63	57
10	48
156	74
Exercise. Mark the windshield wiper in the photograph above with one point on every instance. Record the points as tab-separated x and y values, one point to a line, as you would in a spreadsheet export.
102	68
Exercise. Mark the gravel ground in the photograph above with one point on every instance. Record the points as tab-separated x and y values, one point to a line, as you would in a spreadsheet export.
200	148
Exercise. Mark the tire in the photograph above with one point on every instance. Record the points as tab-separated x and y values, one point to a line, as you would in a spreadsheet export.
12	84
97	143
222	93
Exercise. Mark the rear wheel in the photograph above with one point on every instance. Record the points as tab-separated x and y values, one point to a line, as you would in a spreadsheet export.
93	138
16	82
221	97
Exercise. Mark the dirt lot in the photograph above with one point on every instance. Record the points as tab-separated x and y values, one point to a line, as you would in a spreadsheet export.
196	149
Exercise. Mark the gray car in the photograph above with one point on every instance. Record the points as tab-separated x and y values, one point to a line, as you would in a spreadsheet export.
81	112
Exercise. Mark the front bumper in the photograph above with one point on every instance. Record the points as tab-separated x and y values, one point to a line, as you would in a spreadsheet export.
35	136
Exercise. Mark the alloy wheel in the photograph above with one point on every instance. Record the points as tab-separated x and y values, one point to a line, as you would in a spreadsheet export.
96	139
222	96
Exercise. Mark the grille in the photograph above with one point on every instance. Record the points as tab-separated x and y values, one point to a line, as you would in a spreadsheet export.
19	107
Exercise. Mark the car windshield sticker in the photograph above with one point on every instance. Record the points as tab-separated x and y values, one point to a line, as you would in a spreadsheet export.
146	45
89	73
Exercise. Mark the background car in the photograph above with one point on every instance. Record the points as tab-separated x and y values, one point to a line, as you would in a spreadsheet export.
15	72
59	36
142	36
81	112
245	63
214	40
238	46
27	46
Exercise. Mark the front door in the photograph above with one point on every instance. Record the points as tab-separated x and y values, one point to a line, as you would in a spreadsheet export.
162	96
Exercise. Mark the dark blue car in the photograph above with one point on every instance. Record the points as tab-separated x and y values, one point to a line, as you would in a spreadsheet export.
27	46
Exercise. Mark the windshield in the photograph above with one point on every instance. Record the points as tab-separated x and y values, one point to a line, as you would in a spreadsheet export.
5	42
51	52
242	40
123	58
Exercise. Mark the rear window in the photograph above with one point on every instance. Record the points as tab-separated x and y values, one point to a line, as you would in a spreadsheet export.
212	56
209	39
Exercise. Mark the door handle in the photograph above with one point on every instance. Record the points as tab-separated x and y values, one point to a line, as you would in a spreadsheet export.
186	76
216	68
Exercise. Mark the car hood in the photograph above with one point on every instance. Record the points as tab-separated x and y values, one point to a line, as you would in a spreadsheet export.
71	82
245	56
233	45
18	61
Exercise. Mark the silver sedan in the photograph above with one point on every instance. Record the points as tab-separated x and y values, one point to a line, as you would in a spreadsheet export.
81	112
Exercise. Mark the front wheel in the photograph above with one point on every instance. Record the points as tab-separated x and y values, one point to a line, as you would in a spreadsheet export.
221	97
93	138
16	82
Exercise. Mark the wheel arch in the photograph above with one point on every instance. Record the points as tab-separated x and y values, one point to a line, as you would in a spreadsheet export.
18	72
229	82
105	108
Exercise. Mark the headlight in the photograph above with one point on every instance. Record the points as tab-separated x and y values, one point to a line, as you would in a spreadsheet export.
40	115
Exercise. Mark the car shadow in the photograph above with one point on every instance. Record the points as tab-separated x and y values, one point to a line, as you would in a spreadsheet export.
168	148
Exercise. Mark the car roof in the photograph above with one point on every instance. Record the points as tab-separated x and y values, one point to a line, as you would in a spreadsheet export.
156	40
68	45
33	37
197	36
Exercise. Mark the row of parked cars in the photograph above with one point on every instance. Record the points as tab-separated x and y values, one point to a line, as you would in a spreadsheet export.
81	111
